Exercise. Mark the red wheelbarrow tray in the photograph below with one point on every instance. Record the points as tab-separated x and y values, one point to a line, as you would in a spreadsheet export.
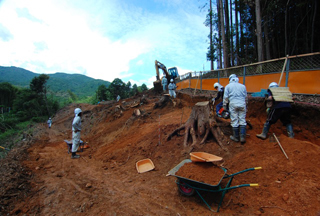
188	186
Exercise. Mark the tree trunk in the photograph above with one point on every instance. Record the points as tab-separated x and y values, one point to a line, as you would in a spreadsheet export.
237	32
313	21
241	41
259	32
286	49
211	36
266	38
224	42
227	29
219	37
231	36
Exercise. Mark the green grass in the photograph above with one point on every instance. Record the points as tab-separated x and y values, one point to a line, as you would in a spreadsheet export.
11	137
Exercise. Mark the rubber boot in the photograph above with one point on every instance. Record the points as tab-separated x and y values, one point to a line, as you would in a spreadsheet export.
235	136
74	156
243	134
290	131
265	131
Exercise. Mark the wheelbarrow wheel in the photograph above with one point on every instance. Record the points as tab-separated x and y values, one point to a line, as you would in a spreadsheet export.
185	190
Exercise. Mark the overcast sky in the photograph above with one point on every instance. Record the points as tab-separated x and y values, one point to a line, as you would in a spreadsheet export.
104	39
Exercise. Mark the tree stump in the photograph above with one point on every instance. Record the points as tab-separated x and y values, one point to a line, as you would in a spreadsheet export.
162	102
200	124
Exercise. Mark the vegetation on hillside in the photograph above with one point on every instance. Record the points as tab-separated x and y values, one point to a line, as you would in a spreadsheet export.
20	107
59	83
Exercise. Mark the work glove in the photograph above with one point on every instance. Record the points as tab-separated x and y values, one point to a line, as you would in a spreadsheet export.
268	110
213	101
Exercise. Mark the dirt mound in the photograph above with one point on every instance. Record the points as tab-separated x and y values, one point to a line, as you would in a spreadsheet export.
40	178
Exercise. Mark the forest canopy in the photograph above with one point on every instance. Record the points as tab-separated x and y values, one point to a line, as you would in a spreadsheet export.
246	31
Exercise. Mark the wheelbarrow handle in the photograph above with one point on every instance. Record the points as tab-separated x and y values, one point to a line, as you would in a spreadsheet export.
239	186
246	170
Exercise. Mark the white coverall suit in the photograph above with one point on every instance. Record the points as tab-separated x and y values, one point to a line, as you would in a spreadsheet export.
172	88
76	126
236	94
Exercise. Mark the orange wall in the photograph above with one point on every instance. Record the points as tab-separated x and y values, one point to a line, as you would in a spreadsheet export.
302	82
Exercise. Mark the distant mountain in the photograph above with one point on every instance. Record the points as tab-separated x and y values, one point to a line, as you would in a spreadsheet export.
80	85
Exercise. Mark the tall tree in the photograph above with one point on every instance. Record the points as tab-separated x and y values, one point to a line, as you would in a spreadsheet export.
223	35
144	87
134	89
231	36
227	29
102	93
7	94
259	31
38	85
219	36
117	87
211	37
236	9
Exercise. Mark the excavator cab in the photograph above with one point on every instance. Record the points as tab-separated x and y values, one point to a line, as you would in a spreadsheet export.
173	72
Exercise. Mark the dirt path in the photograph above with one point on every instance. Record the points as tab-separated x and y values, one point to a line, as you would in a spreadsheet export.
104	181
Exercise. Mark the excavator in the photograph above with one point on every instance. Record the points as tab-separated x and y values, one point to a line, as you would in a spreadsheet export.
171	73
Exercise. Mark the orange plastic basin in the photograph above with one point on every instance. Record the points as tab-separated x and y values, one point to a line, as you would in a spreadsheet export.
204	157
144	165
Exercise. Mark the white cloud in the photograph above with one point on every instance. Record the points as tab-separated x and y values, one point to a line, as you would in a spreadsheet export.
101	39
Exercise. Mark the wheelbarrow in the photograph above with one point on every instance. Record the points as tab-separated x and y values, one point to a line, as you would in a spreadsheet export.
69	145
189	187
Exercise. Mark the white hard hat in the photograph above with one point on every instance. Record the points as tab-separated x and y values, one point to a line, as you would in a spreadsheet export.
232	76
216	85
273	84
77	111
171	80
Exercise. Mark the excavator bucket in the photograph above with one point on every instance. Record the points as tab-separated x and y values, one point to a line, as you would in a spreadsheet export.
157	86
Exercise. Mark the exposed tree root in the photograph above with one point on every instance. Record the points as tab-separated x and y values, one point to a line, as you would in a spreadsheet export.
200	124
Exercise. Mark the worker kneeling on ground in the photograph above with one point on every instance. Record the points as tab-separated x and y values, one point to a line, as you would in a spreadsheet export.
172	88
276	110
235	94
220	90
76	129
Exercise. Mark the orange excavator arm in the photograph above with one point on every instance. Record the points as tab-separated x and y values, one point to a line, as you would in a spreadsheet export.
164	69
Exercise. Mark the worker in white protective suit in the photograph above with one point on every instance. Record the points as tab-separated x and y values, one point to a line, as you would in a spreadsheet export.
172	88
76	129
164	83
235	94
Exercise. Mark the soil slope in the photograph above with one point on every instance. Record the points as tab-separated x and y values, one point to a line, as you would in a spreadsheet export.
40	178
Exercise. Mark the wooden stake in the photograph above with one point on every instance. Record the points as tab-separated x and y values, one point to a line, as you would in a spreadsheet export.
280	146
284	66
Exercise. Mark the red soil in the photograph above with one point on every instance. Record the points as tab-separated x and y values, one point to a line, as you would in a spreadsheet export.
40	178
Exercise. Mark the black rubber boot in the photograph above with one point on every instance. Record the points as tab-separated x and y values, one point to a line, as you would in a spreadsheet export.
74	156
243	134
265	131
235	136
290	130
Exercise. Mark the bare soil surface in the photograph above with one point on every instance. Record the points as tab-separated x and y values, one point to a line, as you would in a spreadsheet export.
39	177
